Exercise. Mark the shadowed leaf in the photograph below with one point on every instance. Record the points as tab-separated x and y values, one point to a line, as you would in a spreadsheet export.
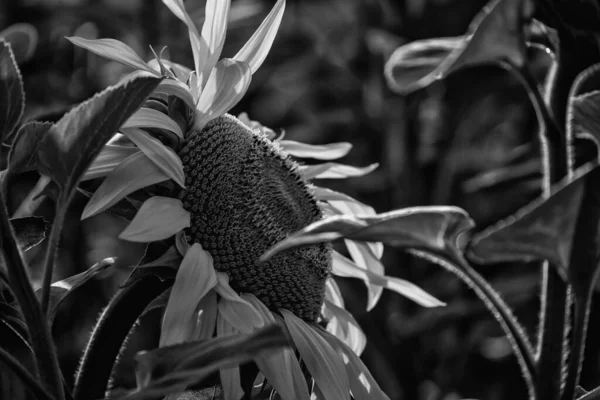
12	97
23	155
23	39
30	231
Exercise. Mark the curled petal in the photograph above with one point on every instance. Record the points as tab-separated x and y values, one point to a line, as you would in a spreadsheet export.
343	326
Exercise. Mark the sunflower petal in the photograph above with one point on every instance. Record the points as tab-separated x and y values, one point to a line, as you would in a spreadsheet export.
364	258
331	151
257	47
342	266
230	377
178	89
159	218
332	170
362	384
213	35
324	364
107	160
135	172
281	367
207	317
164	158
343	326
178	9
114	50
333	293
226	85
237	311
196	276
149	118
181	71
355	207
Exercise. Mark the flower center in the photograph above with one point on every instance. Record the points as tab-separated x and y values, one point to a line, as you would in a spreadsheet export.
244	195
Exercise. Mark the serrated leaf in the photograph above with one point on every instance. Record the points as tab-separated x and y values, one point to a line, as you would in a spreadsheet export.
76	139
159	218
435	229
496	35
171	369
23	154
113	50
12	97
332	170
582	121
30	231
542	230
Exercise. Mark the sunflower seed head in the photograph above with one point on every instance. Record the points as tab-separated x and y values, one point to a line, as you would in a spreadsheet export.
244	195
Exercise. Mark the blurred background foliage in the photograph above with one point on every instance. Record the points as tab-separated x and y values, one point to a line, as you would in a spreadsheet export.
469	141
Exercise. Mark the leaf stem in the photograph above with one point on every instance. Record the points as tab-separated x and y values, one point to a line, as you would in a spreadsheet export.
30	382
53	242
582	313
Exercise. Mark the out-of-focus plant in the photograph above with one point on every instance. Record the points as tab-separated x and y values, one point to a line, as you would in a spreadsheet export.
560	229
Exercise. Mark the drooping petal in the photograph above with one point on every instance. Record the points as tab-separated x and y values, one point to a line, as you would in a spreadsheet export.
178	89
332	170
164	158
230	377
237	311
343	326
159	218
149	118
364	258
357	208
226	85
178	9
331	151
342	266
281	367
257	47
333	293
113	50
362	384
207	317
196	276
135	172
108	159
213	36
181	243
323	362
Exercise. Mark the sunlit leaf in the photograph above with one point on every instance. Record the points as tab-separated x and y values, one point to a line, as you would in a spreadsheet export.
29	231
436	229
364	258
113	50
542	230
332	170
257	47
164	157
135	172
213	35
158	218
324	364
196	276
329	151
150	118
12	97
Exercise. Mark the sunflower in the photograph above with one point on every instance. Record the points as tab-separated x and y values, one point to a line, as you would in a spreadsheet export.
221	191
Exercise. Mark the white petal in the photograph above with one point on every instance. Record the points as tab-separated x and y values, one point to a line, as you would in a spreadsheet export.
237	311
354	207
333	292
343	326
181	71
206	317
324	364
342	266
196	276
230	377
332	170
226	86
329	151
364	258
149	118
134	173
107	160
213	35
157	219
281	367
164	158
256	49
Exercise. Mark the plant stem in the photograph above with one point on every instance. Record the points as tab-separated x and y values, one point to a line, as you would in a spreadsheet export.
582	313
28	380
39	331
53	242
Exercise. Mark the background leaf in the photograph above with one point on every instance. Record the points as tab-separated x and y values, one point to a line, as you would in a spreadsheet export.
12	97
30	231
23	155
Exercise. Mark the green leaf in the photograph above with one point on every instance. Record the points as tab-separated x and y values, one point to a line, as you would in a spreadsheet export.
171	369
496	35
434	229
76	139
24	153
542	230
12	97
159	218
30	231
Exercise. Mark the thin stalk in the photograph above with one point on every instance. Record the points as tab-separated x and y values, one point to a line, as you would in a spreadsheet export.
582	314
591	395
53	242
28	380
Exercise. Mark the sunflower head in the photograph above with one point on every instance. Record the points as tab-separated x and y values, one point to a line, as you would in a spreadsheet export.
244	195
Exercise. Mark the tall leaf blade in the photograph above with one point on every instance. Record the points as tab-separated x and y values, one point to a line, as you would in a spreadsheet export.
12	97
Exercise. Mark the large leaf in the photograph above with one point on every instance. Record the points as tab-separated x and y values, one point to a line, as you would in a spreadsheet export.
171	369
30	231
542	230
496	35
12	97
23	155
432	229
76	139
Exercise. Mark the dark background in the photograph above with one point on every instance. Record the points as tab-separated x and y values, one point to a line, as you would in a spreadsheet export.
469	141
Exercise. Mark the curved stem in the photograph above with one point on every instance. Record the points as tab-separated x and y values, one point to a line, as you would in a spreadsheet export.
53	242
582	313
28	380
